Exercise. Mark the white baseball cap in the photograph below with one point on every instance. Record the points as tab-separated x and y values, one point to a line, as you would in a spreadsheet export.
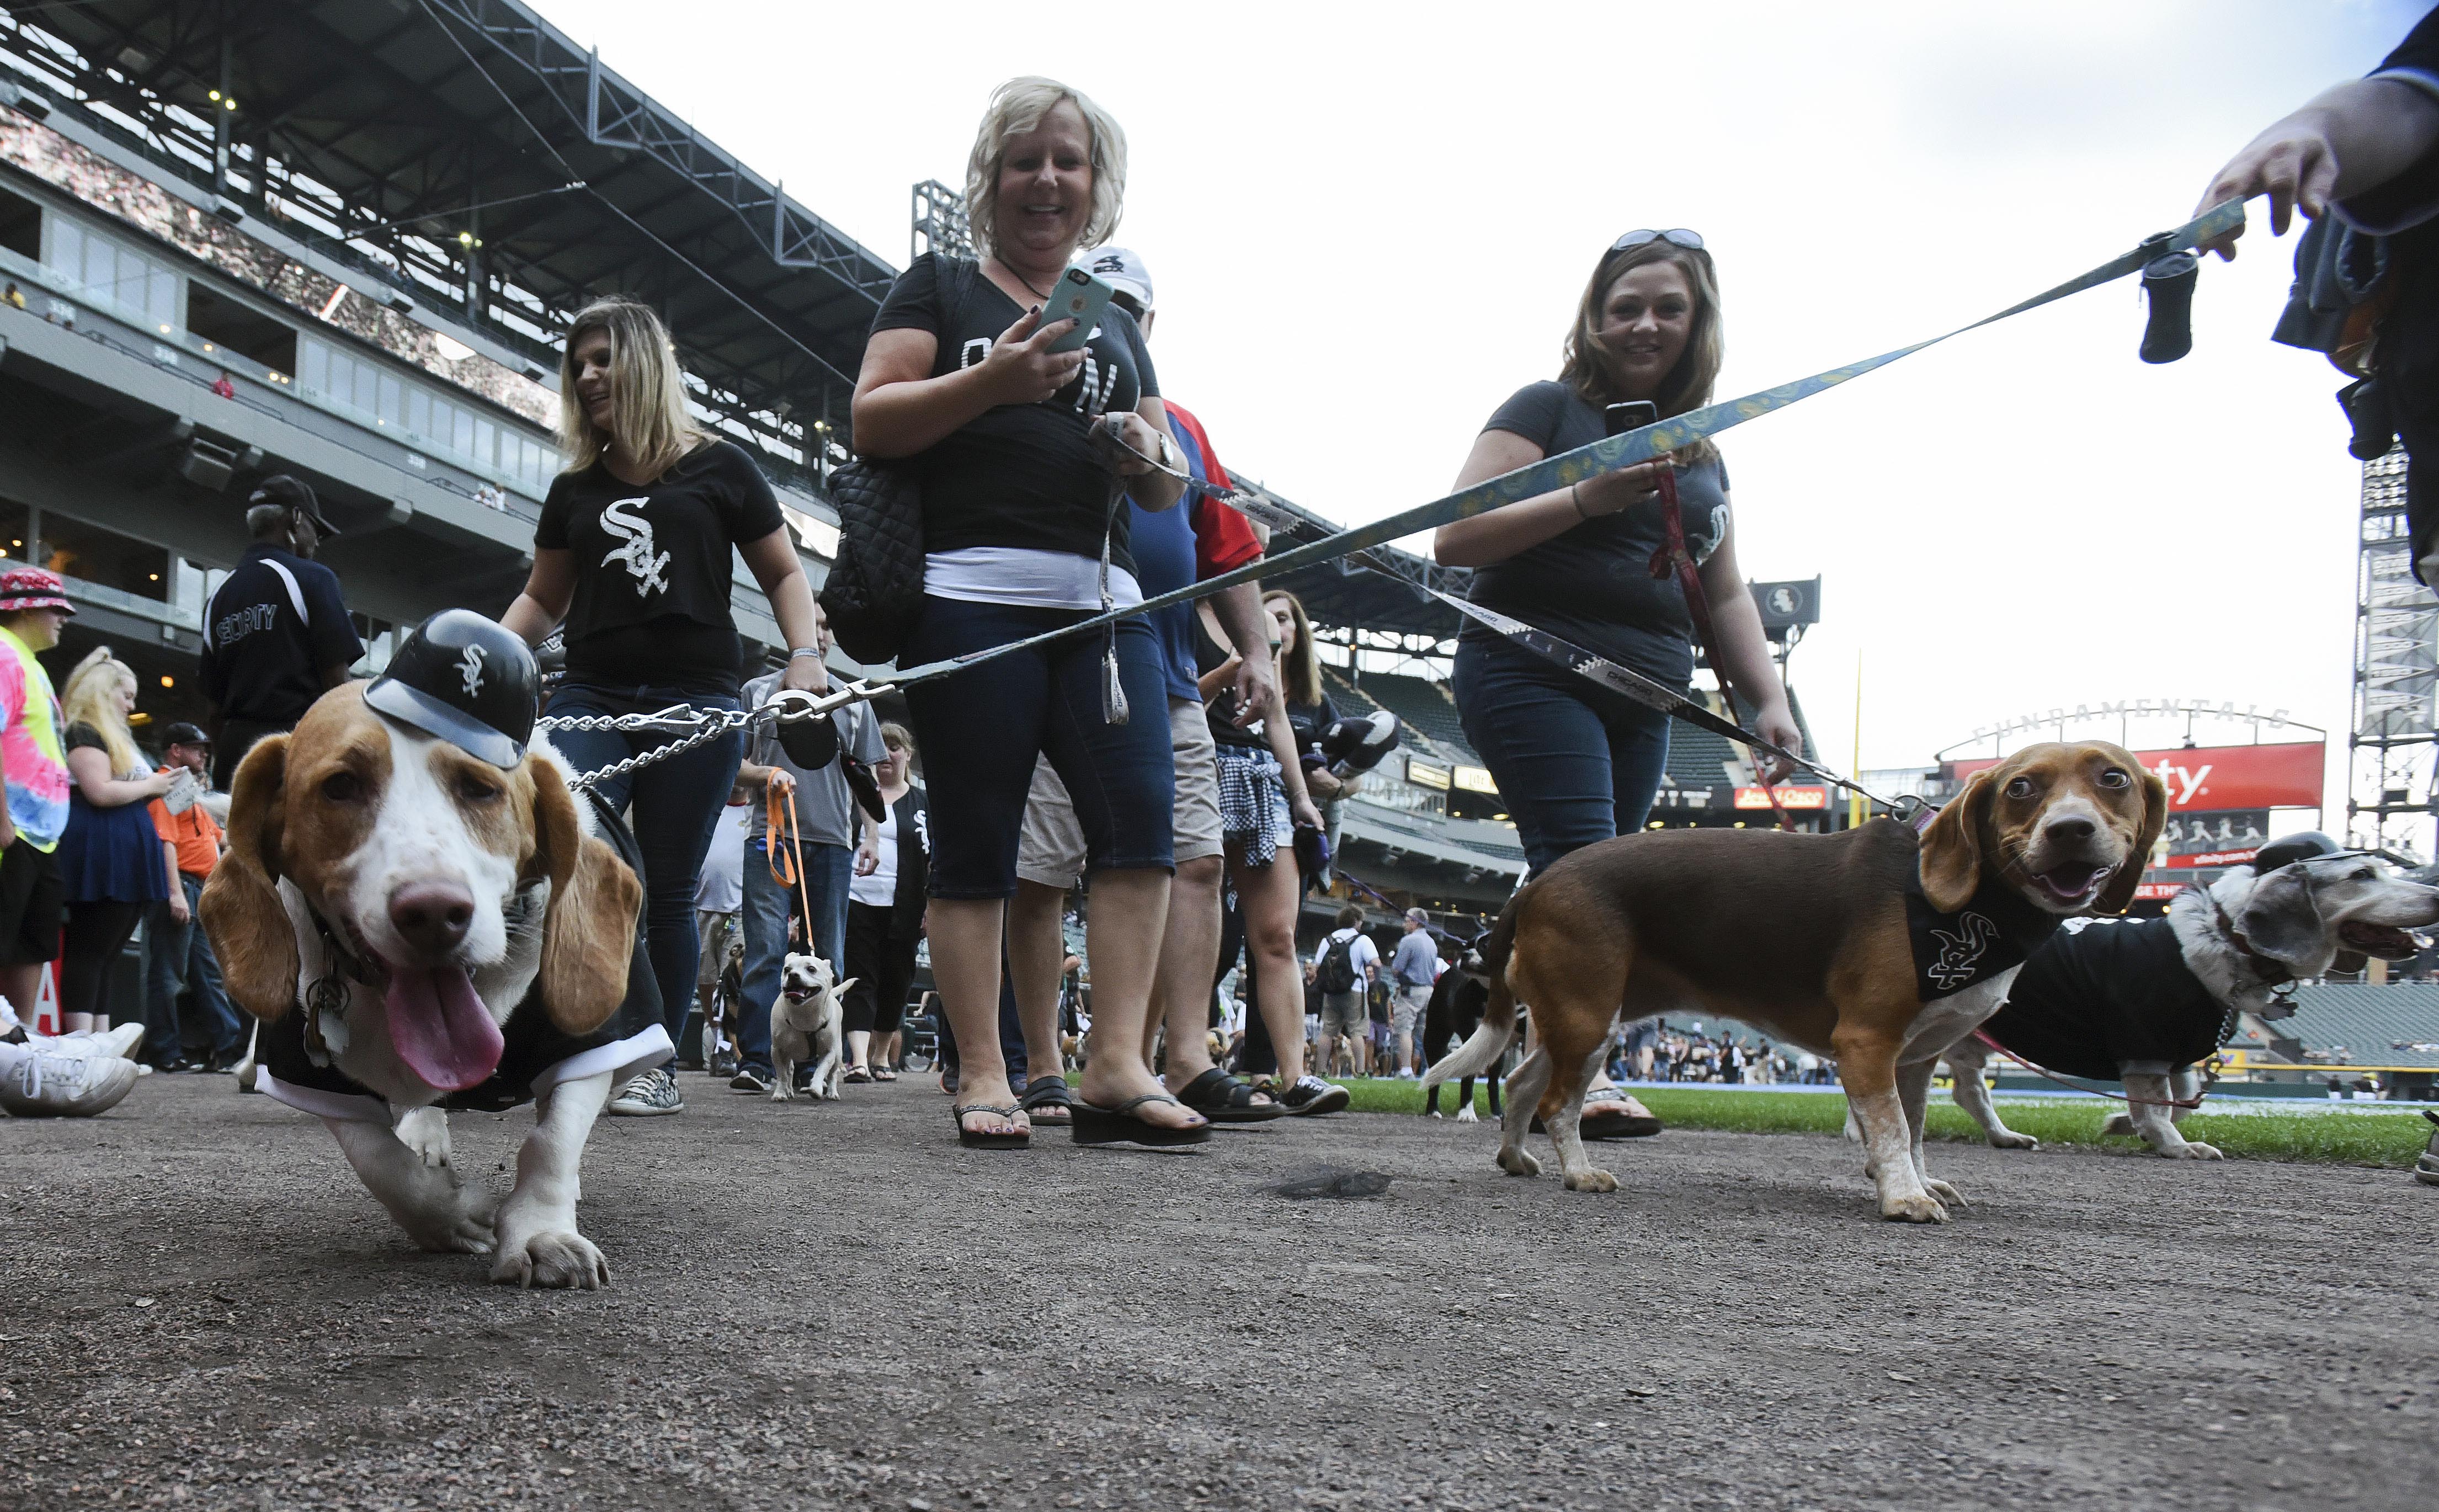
1121	270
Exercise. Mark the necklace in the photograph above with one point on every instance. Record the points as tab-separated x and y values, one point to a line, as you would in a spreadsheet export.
1020	277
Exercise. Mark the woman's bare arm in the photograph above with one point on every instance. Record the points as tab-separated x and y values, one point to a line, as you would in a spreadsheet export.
1496	535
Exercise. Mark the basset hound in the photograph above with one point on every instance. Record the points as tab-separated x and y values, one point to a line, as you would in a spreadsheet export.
417	928
1875	946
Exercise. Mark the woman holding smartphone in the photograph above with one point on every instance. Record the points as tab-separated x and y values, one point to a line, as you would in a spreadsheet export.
964	373
1576	763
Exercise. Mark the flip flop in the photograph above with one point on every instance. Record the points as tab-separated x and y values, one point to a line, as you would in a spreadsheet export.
1049	1102
1118	1126
857	1074
881	1075
1223	1099
976	1139
1617	1124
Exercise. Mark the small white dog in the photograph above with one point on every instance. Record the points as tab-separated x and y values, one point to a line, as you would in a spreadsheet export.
806	1025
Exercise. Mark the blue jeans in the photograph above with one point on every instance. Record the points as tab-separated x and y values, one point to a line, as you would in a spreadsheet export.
179	957
675	805
979	731
1576	763
828	871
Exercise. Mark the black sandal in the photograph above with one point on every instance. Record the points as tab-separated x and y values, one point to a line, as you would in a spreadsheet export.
1049	1095
977	1139
856	1076
1118	1126
1225	1100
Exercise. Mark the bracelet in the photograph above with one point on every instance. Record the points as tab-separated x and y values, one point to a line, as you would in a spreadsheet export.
803	650
1576	497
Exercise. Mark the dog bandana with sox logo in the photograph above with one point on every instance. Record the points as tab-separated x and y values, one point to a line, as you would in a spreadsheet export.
537	1054
1996	930
2108	995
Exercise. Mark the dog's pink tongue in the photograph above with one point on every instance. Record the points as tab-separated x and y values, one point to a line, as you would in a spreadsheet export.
440	1028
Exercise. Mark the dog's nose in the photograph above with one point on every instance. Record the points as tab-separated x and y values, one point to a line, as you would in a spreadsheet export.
432	916
2067	830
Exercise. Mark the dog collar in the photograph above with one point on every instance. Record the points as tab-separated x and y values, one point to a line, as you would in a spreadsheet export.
2275	976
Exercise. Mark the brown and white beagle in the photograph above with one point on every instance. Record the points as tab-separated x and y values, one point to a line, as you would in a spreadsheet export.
1874	946
414	927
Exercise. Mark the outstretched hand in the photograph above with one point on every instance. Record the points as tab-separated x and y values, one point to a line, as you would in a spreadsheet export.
2293	162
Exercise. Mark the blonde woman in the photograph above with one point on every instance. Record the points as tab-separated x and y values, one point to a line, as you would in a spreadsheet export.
1016	506
113	865
633	554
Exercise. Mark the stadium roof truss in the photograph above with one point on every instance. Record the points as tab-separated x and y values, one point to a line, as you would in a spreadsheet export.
474	159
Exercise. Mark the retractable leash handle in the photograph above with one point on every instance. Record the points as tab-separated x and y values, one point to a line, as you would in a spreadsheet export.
2168	281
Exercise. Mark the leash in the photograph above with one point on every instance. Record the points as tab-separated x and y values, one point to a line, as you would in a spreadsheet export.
1607	455
695	727
787	870
2210	1079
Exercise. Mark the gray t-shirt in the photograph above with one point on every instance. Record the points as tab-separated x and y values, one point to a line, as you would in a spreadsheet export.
824	806
1412	963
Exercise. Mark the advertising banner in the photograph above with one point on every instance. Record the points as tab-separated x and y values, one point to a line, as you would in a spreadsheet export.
2220	778
2228	838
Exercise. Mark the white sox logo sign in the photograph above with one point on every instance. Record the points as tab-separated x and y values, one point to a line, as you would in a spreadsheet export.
469	670
1959	950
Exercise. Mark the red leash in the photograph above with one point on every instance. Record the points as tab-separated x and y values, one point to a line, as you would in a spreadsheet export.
2144	1102
1673	557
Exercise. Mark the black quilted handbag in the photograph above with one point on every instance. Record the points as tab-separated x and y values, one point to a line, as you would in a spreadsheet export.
874	589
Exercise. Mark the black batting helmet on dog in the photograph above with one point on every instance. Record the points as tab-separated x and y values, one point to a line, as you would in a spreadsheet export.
467	680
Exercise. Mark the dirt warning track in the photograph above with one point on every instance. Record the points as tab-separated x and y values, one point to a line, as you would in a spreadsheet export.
833	1306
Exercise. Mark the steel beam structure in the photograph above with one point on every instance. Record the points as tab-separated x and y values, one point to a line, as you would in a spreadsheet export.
2395	736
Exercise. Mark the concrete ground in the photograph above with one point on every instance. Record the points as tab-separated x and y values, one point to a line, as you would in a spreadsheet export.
833	1306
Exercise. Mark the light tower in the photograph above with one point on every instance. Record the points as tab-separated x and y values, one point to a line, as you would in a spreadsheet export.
2396	676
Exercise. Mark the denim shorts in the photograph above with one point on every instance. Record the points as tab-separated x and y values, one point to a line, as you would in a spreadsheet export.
979	731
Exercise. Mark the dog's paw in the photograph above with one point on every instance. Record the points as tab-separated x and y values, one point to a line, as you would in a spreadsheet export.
1518	1163
2118	1124
2194	1152
467	1231
781	1092
2009	1138
425	1133
1466	1116
563	1259
1591	1180
1944	1193
1913	1208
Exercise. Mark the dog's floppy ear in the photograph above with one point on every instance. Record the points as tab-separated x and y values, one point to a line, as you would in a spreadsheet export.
1952	847
252	936
2280	919
2119	891
588	940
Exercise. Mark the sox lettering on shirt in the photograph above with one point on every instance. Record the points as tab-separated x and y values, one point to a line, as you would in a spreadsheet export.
637	554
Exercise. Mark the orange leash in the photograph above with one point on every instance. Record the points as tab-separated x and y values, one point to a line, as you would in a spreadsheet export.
788	870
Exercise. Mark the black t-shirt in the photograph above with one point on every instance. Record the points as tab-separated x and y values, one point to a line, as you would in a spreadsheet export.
1021	475
2109	992
270	630
1591	583
653	569
2406	208
1996	929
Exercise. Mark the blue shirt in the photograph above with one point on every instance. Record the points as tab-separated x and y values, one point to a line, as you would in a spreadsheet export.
1164	548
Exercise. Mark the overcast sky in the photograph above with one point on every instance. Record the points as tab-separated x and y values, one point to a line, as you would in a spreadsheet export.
1369	225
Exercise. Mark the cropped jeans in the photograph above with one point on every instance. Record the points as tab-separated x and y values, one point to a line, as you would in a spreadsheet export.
676	804
1576	763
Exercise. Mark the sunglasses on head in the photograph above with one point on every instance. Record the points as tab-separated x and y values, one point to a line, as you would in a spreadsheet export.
1690	241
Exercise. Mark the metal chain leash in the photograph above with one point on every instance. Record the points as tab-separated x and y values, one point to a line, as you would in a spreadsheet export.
696	727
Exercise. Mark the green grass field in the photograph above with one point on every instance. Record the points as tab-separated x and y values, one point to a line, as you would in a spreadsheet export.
2352	1139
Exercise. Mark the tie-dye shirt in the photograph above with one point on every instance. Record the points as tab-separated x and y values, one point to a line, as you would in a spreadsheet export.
38	770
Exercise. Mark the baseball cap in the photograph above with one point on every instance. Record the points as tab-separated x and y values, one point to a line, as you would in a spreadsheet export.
33	587
1121	270
293	492
184	734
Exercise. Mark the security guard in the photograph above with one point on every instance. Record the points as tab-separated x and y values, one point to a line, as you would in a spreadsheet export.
277	635
463	679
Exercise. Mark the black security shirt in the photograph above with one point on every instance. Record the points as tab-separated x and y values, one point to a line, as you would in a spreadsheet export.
1020	474
268	631
1591	583
2110	992
653	569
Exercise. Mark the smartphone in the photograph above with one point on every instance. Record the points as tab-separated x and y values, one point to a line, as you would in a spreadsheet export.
1080	297
1633	416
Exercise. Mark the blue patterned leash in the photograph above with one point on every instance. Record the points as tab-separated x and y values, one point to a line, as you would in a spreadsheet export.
1604	456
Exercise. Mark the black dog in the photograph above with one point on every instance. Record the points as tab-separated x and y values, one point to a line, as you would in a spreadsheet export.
1456	1007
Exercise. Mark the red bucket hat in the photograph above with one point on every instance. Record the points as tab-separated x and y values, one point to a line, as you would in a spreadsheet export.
33	587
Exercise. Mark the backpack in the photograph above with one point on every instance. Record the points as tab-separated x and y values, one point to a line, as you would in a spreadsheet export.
875	588
1337	973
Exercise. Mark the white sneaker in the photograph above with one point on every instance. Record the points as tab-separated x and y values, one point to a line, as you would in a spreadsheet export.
36	1083
649	1095
120	1042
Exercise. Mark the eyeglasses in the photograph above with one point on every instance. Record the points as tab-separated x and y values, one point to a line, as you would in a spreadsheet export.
1690	241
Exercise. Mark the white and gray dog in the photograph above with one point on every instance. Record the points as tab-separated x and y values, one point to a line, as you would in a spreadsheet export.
807	1027
2144	1002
